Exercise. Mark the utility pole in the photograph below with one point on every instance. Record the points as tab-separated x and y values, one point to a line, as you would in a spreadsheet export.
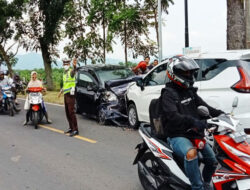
160	30
186	24
247	23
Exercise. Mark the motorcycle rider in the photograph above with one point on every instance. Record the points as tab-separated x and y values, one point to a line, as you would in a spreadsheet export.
34	82
182	122
4	81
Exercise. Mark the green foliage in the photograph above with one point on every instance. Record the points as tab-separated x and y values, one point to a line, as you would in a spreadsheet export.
41	75
129	64
11	12
131	25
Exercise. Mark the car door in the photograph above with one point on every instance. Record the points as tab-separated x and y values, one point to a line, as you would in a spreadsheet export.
152	85
217	77
85	93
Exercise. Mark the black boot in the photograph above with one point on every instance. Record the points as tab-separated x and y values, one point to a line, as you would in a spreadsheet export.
27	118
47	118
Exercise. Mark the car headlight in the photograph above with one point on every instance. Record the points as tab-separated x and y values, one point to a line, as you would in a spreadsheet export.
243	156
110	96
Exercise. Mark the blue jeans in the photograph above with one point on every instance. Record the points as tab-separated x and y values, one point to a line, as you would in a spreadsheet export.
181	146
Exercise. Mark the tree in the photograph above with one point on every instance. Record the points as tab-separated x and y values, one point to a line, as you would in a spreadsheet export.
151	10
236	26
131	25
100	13
82	30
41	31
10	15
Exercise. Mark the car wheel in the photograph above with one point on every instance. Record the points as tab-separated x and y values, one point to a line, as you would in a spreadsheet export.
132	117
101	117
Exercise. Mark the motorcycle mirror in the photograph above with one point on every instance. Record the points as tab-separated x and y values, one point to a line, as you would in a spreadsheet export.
247	131
203	111
235	102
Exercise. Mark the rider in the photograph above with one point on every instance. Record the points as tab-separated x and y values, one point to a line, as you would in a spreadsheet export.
4	81
182	122
34	82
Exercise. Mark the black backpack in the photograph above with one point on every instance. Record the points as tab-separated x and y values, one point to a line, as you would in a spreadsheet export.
156	119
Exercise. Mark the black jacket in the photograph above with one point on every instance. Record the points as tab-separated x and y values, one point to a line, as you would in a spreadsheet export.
179	110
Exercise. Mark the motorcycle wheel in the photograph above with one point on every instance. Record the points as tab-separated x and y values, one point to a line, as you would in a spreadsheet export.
149	161
11	109
35	119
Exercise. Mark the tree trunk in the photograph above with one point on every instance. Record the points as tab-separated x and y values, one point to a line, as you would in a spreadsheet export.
247	24
125	38
6	59
47	65
104	39
236	26
156	27
125	43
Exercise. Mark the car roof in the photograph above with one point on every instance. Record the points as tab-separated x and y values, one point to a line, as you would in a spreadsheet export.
228	55
96	67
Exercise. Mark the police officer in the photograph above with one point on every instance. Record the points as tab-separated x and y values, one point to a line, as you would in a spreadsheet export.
69	96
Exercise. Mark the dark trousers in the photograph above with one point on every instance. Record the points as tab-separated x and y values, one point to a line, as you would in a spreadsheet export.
69	102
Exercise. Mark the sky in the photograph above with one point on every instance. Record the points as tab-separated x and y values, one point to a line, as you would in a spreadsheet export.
207	29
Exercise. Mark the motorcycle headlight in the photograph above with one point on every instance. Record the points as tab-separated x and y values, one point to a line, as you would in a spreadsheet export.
243	156
110	96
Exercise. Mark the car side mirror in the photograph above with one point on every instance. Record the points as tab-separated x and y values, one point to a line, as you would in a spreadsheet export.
140	84
203	111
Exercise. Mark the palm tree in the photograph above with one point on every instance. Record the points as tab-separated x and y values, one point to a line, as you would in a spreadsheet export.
236	25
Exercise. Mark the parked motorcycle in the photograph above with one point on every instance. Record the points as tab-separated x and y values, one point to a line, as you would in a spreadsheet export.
36	112
8	104
159	168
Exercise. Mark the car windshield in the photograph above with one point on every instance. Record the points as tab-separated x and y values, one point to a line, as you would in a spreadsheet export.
106	75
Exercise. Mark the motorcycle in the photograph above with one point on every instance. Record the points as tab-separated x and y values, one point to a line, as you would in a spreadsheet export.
159	167
36	112
8	101
20	87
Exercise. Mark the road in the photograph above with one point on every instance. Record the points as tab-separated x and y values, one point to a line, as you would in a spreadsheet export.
48	160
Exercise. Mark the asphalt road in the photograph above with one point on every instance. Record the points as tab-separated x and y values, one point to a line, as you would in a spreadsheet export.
48	160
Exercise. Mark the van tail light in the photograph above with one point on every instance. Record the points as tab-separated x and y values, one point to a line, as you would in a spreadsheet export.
243	85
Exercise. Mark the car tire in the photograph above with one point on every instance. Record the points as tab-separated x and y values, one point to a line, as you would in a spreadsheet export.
133	117
101	117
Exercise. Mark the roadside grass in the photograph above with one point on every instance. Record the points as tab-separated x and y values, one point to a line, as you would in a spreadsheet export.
50	96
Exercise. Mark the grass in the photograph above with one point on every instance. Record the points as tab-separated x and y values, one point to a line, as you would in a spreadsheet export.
50	96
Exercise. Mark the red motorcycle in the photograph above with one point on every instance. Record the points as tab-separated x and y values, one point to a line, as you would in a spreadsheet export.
36	111
159	168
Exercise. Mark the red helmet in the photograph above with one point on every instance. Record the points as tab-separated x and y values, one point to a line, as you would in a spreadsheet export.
182	70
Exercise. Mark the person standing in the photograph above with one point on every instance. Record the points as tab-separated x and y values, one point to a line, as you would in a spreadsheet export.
142	67
151	66
69	96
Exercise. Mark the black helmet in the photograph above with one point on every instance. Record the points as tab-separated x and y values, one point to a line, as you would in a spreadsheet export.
182	70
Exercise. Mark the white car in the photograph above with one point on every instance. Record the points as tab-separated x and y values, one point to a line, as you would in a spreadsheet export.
222	77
